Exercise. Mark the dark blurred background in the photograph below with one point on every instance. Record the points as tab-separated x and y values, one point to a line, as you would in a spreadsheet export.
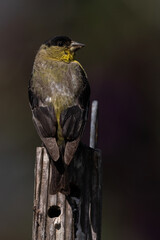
122	60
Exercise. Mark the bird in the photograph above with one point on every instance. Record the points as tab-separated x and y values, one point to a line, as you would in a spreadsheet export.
59	94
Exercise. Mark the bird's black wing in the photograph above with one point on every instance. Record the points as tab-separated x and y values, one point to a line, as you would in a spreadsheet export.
45	121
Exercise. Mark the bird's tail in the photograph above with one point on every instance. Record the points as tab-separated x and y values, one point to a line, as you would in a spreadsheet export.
59	179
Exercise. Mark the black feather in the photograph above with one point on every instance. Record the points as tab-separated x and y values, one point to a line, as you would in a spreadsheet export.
72	122
59	41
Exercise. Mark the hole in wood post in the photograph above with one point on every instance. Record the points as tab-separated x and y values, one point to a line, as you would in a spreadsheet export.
57	226
54	211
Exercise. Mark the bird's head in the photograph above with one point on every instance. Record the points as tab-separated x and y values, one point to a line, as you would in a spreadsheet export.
61	48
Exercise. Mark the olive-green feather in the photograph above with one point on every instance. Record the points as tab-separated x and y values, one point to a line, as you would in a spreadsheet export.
59	94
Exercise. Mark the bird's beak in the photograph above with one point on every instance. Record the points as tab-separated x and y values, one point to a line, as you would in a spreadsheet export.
74	46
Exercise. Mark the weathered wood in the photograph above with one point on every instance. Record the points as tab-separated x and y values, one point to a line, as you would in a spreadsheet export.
77	215
52	218
94	125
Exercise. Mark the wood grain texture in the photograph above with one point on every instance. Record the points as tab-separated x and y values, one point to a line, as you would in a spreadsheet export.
80	211
45	226
94	125
78	214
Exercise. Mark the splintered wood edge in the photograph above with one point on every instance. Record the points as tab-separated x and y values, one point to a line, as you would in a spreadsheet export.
40	194
43	198
37	185
93	125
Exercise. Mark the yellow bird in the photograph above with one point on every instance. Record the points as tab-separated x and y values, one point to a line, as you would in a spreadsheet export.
59	97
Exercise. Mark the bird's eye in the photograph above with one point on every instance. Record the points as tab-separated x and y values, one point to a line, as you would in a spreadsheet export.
60	43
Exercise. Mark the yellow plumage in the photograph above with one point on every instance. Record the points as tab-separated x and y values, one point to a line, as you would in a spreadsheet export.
59	96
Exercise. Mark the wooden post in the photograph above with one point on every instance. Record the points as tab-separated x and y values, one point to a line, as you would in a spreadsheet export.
78	215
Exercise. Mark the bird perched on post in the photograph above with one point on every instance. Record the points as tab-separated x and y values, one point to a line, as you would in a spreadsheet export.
59	97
